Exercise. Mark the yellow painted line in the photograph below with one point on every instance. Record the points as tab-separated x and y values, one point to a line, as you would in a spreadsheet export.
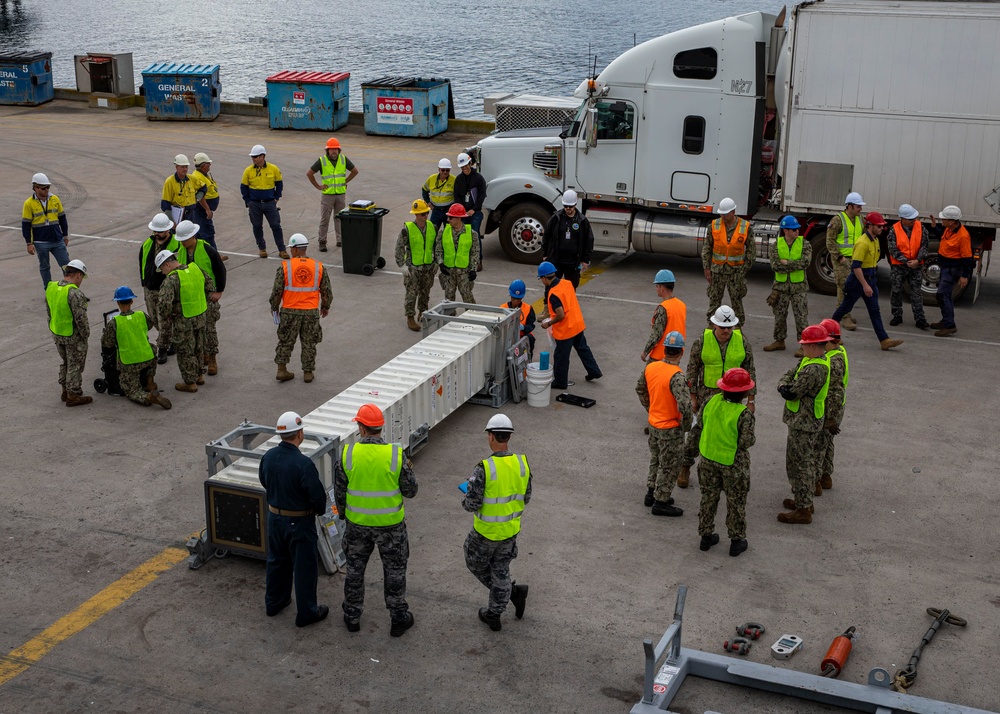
592	271
88	613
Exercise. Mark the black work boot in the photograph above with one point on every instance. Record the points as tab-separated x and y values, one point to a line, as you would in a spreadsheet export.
352	625
492	620
708	541
401	625
737	546
161	356
647	501
896	320
665	508
519	596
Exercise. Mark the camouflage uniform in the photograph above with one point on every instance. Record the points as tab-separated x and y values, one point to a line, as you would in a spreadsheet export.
72	349
187	334
805	433
900	274
666	446
152	280
457	279
359	542
129	375
789	292
715	479
214	311
420	280
841	269
489	560
299	324
834	411
732	276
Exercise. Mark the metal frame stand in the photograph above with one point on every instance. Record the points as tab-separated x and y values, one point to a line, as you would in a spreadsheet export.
661	686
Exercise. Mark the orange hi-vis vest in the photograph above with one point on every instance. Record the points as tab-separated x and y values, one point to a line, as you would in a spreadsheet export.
525	309
676	320
302	276
572	323
663	411
729	252
909	245
955	244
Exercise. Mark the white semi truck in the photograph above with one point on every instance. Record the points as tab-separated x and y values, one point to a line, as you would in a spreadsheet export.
899	100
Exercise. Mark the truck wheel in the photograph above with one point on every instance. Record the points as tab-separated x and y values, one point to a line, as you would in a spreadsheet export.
931	274
521	232
820	271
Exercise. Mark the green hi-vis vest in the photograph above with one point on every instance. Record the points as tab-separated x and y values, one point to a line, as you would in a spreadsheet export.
719	433
173	245
461	258
503	501
334	174
819	401
847	368
849	234
132	334
373	495
792	253
711	356
200	259
193	299
61	317
421	246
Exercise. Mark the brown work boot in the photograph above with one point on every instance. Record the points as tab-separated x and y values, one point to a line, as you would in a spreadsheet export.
200	380
818	489
945	332
322	246
798	516
62	397
185	387
307	376
684	477
412	324
283	374
213	366
848	323
157	398
826	481
150	384
790	504
223	257
262	253
775	346
283	254
77	400
799	352
888	344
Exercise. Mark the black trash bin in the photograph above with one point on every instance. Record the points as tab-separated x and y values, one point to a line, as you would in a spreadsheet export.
361	235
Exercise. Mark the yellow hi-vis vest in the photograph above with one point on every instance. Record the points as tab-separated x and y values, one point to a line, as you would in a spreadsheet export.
421	246
819	401
200	258
719	433
132	334
499	518
194	302
457	258
849	234
61	317
711	356
173	245
847	369
373	495
334	174
793	252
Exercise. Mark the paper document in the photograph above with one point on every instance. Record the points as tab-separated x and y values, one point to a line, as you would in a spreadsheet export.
277	317
176	213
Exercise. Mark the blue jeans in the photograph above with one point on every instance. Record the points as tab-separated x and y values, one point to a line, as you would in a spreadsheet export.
477	221
259	210
206	225
291	548
438	216
946	286
853	291
560	379
42	251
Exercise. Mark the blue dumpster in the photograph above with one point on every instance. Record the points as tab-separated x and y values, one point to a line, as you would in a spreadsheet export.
182	92
407	106
26	78
308	100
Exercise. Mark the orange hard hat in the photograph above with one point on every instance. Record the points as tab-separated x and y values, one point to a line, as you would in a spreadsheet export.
332	143
456	211
814	335
832	327
370	415
736	379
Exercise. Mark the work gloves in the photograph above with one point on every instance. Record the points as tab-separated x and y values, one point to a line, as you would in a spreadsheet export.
831	426
445	271
472	275
405	270
787	392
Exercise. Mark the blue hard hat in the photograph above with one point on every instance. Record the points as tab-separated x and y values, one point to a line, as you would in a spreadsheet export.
546	269
124	293
517	289
663	276
789	222
673	339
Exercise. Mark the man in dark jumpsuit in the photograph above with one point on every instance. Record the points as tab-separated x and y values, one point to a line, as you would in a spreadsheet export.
295	496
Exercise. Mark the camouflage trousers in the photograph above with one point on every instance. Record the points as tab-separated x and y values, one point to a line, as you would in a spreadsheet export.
394	550
691	449
418	286
307	330
826	453
457	281
489	560
188	336
153	311
802	463
736	281
797	296
73	354
900	275
211	336
714	480
131	381
666	452
841	271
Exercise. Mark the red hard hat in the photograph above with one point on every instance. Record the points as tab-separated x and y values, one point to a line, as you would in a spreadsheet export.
736	379
332	143
370	415
814	335
831	326
875	218
457	210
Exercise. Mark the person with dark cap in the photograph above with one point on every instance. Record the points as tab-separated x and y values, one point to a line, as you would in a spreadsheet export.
295	496
566	320
836	402
496	493
568	241
956	262
669	316
126	336
67	307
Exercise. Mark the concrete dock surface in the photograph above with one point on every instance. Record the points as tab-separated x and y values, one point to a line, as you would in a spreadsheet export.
99	500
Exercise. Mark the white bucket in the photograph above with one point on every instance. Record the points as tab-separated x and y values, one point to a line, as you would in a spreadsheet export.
539	385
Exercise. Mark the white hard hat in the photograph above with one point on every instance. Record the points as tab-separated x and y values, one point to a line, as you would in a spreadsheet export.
201	158
464	160
569	198
186	230
297	240
78	264
855	198
725	317
163	256
908	212
181	160
726	205
951	213
444	164
499	422
160	223
288	423
41	179
257	150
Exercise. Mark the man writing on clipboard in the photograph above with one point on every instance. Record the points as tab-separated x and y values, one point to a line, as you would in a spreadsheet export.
178	197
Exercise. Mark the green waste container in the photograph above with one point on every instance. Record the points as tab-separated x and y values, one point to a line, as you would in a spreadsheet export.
361	235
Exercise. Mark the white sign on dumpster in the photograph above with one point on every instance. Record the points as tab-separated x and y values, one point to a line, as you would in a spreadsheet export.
394	110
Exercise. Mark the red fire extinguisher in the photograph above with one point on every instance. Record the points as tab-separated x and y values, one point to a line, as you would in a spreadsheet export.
836	656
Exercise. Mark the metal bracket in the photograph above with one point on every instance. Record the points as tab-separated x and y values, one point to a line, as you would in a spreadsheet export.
418	439
222	453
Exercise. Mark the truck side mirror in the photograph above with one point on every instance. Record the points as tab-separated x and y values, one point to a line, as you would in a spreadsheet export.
592	127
